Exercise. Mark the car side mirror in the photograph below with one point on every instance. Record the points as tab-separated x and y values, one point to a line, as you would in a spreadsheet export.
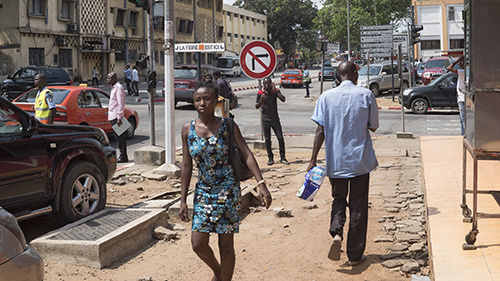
9	77
384	73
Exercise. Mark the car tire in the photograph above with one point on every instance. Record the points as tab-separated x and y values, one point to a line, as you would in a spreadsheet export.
131	130
4	94
419	106
83	192
374	88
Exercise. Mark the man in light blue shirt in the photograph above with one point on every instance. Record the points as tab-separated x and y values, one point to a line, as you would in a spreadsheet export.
345	116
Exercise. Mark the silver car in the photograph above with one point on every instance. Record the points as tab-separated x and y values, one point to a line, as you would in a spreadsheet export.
18	261
380	77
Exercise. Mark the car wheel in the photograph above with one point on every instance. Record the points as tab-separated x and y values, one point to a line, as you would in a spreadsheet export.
419	106
83	192
374	88
4	94
131	130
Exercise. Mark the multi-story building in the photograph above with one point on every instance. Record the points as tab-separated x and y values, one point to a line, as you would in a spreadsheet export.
443	27
109	34
241	27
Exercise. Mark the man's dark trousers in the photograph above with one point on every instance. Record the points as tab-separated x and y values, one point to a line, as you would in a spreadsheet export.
122	142
129	89
276	125
357	187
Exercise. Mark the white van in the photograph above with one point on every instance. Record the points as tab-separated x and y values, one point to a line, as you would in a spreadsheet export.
229	66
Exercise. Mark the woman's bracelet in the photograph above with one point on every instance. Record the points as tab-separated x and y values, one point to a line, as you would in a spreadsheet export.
261	181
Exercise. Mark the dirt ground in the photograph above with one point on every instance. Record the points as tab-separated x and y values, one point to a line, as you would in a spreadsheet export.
267	247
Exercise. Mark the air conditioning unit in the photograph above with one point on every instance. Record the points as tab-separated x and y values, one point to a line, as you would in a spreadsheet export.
61	41
72	27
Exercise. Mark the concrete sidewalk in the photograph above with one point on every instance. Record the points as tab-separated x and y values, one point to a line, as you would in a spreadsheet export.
442	171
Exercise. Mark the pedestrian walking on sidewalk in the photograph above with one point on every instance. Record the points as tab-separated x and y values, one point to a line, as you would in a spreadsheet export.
306	79
460	90
135	81
217	193
116	111
95	77
267	98
345	116
128	79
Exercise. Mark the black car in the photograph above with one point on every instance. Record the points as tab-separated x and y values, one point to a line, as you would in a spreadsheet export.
441	92
52	168
24	79
328	73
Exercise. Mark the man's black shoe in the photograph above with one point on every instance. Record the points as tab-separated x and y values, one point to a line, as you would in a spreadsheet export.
122	160
284	161
270	162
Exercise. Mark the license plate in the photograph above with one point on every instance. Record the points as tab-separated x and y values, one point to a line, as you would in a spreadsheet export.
181	86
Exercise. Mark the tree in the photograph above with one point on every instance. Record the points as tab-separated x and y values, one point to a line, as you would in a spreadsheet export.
285	19
332	18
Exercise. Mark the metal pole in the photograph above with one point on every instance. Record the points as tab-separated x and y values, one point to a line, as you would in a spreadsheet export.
151	55
261	118
400	74
169	83
409	57
368	69
322	68
348	34
392	73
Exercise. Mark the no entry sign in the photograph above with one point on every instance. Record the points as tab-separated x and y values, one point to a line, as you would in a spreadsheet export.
258	59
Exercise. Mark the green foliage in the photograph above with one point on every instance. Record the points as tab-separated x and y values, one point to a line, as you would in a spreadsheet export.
286	20
332	18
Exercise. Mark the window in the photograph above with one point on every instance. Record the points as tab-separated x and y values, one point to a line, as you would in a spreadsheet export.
253	37
36	56
220	31
134	17
457	44
219	6
120	17
451	13
235	35
229	16
65	12
37	8
242	19
162	58
242	36
65	58
10	122
430	44
182	26
190	27
248	37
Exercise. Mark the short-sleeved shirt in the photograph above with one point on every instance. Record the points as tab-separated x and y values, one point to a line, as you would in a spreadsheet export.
269	106
223	88
135	75
346	113
128	73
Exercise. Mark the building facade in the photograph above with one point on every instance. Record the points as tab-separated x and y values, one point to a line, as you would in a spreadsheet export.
443	27
242	26
79	35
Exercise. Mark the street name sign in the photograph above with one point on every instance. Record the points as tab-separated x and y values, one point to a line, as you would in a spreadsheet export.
258	59
377	40
200	47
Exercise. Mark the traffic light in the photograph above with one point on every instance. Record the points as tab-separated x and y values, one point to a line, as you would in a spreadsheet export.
415	33
141	3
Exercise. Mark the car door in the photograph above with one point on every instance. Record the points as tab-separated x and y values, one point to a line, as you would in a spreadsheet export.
445	93
103	99
24	161
386	81
90	106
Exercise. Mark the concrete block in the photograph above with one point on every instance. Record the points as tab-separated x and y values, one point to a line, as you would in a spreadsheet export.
404	135
171	170
150	155
259	144
113	245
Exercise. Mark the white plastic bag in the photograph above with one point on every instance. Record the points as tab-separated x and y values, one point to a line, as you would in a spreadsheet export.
314	179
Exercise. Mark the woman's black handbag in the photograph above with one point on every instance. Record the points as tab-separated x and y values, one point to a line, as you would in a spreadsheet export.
238	162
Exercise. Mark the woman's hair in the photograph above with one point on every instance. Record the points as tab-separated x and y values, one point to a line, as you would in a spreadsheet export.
207	75
208	85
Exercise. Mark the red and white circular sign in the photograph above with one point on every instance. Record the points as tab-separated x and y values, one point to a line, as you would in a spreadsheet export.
258	59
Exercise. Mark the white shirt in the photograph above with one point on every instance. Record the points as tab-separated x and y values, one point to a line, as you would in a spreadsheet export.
460	85
135	75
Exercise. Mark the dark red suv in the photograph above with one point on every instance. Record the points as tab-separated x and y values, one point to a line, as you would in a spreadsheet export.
185	80
52	168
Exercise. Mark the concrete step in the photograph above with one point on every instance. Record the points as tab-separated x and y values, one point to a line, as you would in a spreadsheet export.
103	238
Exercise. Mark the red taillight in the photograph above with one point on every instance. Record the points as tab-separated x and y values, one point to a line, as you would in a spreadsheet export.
61	117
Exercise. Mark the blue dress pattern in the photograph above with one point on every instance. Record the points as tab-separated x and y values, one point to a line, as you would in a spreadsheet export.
217	193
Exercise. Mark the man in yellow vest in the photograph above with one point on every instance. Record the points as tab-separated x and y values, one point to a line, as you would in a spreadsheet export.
45	107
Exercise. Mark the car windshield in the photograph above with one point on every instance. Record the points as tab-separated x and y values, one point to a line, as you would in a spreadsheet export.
59	95
439	80
225	63
374	70
185	73
292	72
435	63
329	69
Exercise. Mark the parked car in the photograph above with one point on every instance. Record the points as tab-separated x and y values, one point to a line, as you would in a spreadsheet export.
380	76
80	106
434	68
24	79
18	260
441	92
229	66
185	80
46	168
420	70
291	78
329	73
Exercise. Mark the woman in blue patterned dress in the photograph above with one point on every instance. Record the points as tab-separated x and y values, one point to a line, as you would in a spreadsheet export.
217	193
